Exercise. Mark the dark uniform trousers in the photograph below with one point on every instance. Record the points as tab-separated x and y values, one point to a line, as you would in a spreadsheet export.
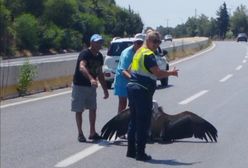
140	102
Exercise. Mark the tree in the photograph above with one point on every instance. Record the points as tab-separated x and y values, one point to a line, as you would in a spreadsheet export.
92	24
16	7
203	26
191	27
26	26
51	37
6	31
133	23
239	20
65	11
34	7
213	28
222	20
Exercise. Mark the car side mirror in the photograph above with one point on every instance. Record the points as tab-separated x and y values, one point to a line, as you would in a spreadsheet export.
165	52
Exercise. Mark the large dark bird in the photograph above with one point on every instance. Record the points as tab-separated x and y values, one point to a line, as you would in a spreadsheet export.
164	127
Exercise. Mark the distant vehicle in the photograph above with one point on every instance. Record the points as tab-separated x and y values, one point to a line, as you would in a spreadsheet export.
168	37
241	37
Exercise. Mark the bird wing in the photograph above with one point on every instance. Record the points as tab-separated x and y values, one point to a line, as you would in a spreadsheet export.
188	124
118	124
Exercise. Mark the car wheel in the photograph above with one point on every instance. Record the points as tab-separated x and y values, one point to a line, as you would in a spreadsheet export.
109	84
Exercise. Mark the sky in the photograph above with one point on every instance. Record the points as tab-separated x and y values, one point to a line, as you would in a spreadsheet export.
171	13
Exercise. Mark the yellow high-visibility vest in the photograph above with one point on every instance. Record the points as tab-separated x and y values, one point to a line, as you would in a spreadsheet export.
138	63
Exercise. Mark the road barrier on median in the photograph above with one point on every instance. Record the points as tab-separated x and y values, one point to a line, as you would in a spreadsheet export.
54	75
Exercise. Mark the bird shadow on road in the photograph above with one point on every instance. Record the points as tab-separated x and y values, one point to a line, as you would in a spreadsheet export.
171	162
123	142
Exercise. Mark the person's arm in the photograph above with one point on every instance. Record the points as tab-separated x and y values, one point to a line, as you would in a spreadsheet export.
162	74
103	84
126	65
85	72
151	63
126	74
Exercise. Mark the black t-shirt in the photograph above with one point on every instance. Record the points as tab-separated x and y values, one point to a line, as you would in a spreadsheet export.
93	64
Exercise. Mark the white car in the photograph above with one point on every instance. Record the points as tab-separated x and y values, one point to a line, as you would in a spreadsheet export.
111	60
168	37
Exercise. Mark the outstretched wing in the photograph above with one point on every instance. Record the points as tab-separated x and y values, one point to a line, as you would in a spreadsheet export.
118	125
188	124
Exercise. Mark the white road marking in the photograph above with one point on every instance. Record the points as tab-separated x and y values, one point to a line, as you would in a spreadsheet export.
226	78
246	56
193	56
195	96
34	99
244	61
86	152
238	67
82	154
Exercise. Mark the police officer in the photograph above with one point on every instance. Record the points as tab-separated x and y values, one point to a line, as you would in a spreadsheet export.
141	87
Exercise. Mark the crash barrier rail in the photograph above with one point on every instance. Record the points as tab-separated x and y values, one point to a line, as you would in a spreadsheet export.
58	74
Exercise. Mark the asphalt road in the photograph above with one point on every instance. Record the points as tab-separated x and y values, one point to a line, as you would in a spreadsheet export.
39	131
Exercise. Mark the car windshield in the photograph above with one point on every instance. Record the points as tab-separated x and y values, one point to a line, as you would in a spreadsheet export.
242	35
115	49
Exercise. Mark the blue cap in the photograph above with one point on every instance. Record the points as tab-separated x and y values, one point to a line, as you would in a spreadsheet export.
96	37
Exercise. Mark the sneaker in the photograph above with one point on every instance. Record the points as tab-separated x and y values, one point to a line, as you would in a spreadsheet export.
143	157
95	137
81	138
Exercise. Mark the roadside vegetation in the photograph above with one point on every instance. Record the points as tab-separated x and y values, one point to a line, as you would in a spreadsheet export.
39	27
226	25
27	74
43	27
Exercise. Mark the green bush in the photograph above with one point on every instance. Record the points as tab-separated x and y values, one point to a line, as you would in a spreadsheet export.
27	32
6	32
60	12
51	37
72	40
26	76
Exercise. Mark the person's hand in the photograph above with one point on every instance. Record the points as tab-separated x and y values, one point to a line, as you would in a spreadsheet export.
174	72
93	83
106	94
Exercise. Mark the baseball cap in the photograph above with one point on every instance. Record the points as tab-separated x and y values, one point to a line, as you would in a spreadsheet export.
139	37
96	37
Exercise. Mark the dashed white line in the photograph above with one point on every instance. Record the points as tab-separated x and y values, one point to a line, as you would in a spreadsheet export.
244	61
82	154
238	67
226	78
34	99
195	96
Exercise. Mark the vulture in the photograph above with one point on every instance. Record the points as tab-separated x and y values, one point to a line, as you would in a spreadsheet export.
164	127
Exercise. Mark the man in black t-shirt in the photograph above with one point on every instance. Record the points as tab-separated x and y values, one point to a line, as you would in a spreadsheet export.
88	70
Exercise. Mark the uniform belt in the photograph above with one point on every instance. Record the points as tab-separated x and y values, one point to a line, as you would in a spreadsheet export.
137	84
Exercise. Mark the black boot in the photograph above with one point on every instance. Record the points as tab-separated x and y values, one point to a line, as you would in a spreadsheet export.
143	157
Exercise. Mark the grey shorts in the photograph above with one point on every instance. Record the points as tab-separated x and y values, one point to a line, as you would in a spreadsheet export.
82	98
